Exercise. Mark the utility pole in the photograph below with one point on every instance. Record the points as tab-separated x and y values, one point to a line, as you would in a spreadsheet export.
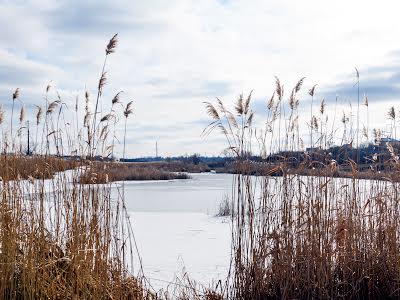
156	149
29	149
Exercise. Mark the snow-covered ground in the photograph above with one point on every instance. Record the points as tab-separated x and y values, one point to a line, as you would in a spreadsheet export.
171	244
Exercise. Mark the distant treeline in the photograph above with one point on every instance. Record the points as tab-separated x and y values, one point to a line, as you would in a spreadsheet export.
377	154
195	159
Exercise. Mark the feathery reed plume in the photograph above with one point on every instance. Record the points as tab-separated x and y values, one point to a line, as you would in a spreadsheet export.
315	123
246	104
312	91
391	113
249	120
278	88
299	85
19	132
15	96
116	99
112	44
239	105
212	112
233	130
128	109
39	112
322	107
292	100
2	113
22	115
52	106
102	82
270	103
106	118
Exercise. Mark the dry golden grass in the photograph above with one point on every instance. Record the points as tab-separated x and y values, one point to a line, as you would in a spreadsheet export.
176	166
109	172
60	239
14	167
319	236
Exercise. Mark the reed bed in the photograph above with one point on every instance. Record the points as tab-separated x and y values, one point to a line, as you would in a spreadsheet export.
109	172
16	167
175	166
307	237
318	236
60	239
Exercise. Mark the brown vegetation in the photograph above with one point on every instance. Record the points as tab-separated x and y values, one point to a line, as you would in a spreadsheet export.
15	167
109	172
294	237
60	239
177	166
71	241
307	237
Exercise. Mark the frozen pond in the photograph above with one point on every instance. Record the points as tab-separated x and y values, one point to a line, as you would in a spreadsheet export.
176	229
175	226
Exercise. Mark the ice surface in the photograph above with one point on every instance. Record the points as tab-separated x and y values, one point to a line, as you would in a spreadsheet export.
176	229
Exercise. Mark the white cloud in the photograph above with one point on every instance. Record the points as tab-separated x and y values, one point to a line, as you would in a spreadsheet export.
173	55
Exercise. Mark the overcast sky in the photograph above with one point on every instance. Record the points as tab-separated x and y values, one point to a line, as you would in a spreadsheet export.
173	55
